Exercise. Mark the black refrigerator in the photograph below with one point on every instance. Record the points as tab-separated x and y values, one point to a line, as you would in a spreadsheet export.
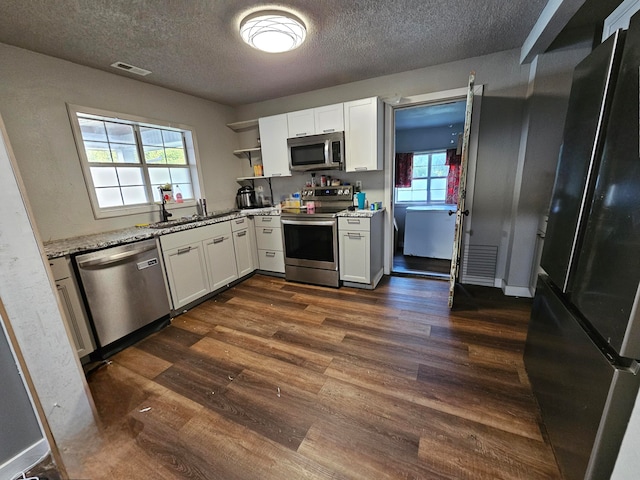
583	342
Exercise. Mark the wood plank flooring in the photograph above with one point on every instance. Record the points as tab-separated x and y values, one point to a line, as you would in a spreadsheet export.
278	380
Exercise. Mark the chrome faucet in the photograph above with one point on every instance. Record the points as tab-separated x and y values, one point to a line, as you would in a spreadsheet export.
163	210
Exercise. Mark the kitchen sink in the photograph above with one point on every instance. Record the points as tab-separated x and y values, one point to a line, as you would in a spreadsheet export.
192	219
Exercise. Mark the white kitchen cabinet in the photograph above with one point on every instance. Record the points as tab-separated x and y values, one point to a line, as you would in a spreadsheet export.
363	132
269	242
74	313
301	123
186	272
244	243
220	256
315	121
273	143
360	243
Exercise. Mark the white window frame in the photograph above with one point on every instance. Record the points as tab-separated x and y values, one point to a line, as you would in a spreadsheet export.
427	201
191	148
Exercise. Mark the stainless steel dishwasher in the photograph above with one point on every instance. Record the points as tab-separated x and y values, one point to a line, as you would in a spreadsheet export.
124	288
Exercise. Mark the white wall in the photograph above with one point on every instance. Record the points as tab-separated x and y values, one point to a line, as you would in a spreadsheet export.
34	90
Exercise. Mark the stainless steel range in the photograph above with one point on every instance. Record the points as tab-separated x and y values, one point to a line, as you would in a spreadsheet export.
311	235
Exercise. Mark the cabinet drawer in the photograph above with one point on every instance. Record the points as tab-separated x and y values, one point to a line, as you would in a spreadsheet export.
267	221
271	260
353	223
179	239
60	268
269	238
239	223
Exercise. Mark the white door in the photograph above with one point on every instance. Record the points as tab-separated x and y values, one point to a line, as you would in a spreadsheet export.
461	210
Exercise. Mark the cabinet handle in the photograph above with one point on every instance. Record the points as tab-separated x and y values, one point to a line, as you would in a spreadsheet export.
329	130
184	250
240	221
270	254
354	236
267	230
301	134
353	221
276	174
242	233
360	168
218	240
267	219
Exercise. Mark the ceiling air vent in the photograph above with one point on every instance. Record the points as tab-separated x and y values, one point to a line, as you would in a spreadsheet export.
131	68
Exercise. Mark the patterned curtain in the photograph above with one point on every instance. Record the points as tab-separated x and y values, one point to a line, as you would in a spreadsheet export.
453	178
404	169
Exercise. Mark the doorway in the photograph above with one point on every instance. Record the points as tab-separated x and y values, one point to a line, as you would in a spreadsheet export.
424	186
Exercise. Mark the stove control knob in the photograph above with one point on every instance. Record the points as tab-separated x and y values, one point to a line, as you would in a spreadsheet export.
339	191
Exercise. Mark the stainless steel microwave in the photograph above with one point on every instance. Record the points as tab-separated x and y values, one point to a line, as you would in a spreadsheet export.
316	152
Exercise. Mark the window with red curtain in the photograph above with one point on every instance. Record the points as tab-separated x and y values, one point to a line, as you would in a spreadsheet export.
404	169
423	180
453	178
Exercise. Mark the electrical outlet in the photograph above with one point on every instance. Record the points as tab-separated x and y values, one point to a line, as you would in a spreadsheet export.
359	183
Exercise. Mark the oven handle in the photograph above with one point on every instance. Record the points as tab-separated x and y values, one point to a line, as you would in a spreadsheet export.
329	222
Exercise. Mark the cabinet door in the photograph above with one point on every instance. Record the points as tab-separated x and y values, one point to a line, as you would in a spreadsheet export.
75	316
301	123
221	261
245	252
363	135
355	265
273	143
186	274
329	119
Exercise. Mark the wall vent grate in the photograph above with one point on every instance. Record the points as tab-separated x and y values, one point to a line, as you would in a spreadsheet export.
131	68
479	265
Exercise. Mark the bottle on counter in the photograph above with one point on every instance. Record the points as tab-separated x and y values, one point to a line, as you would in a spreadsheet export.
178	195
323	181
313	180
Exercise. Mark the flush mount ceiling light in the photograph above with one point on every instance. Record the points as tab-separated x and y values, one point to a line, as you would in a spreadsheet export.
273	31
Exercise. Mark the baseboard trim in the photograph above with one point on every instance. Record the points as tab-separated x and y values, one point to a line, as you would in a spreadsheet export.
25	460
517	291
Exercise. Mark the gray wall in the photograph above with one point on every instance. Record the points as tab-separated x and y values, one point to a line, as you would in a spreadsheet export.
33	96
18	422
424	139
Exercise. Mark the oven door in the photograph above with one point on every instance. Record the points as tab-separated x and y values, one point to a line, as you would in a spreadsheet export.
310	242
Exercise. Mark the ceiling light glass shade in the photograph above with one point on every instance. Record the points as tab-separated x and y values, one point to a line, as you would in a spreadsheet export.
273	32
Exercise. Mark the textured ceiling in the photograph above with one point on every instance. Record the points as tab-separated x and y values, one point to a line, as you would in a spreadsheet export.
193	46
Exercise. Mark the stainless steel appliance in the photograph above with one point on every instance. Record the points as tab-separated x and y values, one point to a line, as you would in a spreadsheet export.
583	343
316	152
124	289
246	197
311	239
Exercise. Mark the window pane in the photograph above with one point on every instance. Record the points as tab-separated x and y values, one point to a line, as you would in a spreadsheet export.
108	197
419	185
124	153
151	136
421	161
179	175
154	155
92	129
172	139
159	175
175	156
130	176
437	195
439	184
104	177
186	190
403	195
439	170
120	133
98	152
134	195
419	196
438	158
420	172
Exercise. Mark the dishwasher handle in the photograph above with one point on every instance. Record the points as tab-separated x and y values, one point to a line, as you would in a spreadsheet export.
114	258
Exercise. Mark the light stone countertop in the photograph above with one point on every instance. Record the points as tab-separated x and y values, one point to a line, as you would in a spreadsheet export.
98	241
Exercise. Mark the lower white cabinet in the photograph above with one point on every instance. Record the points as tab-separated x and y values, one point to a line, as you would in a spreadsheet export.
73	310
269	243
186	273
244	243
198	261
360	243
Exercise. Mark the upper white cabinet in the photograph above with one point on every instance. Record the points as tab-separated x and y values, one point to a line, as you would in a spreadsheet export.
315	121
363	130
273	141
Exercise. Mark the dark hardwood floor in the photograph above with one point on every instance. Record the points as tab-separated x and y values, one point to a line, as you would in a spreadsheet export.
278	380
412	265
